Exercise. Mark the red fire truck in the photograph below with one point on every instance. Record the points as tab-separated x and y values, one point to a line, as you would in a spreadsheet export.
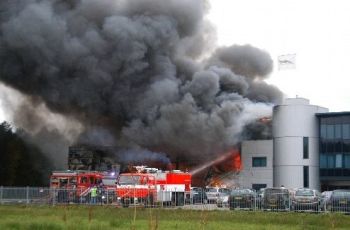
149	185
75	186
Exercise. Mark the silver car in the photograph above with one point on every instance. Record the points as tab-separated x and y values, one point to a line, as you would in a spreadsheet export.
212	194
306	199
224	194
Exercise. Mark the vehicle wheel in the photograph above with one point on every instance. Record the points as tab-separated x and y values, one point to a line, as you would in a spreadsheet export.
180	201
167	203
125	203
317	208
232	207
149	201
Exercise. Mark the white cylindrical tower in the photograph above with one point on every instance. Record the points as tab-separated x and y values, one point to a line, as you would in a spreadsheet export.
296	140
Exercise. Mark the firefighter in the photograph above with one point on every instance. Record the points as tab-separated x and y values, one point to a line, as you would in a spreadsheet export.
100	192
93	194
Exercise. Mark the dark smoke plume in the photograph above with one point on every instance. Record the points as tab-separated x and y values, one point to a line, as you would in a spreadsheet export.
53	133
132	72
244	60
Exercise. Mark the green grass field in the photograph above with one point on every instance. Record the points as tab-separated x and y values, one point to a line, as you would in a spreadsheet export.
97	217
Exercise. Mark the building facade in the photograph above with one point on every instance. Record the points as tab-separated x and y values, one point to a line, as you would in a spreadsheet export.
310	148
334	150
296	144
257	161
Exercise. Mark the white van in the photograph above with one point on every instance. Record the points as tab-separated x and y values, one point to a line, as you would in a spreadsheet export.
212	194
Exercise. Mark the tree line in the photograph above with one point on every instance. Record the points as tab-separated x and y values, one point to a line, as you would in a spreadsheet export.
21	163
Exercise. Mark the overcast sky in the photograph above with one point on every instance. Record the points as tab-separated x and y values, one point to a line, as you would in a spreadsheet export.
318	32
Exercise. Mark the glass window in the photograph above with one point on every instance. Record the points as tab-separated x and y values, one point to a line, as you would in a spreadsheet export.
330	161
54	180
306	176
330	131
346	146
338	131
323	161
341	194
129	180
323	120
211	190
63	181
241	192
338	160
330	147
346	131
84	180
305	147
109	181
338	147
323	131
73	180
347	161
257	187
224	190
304	192
259	162
323	147
346	119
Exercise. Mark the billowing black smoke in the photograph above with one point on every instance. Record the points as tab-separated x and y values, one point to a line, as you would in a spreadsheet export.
137	72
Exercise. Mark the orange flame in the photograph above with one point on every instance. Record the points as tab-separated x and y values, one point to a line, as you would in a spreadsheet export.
265	120
224	174
235	166
237	163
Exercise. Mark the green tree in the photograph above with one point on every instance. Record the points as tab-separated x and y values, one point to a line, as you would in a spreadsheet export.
21	163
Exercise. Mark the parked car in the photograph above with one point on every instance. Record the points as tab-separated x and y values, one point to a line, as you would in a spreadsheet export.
242	199
259	198
212	194
325	196
198	196
224	194
306	199
339	201
276	199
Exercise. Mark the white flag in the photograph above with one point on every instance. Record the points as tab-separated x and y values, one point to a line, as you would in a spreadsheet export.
286	62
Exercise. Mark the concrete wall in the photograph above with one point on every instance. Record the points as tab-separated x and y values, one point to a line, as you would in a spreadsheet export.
292	121
256	175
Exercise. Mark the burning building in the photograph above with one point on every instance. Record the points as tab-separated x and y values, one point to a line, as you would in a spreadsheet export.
219	171
309	148
114	158
98	158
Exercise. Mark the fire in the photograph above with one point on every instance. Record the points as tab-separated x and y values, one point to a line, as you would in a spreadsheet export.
237	163
224	174
220	171
265	120
210	163
224	160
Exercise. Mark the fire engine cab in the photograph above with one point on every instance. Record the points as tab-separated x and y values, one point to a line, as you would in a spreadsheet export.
149	185
75	186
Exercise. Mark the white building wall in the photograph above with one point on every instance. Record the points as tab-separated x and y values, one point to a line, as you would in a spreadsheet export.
292	121
256	175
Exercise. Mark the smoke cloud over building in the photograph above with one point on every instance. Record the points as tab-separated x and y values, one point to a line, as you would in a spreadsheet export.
141	73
